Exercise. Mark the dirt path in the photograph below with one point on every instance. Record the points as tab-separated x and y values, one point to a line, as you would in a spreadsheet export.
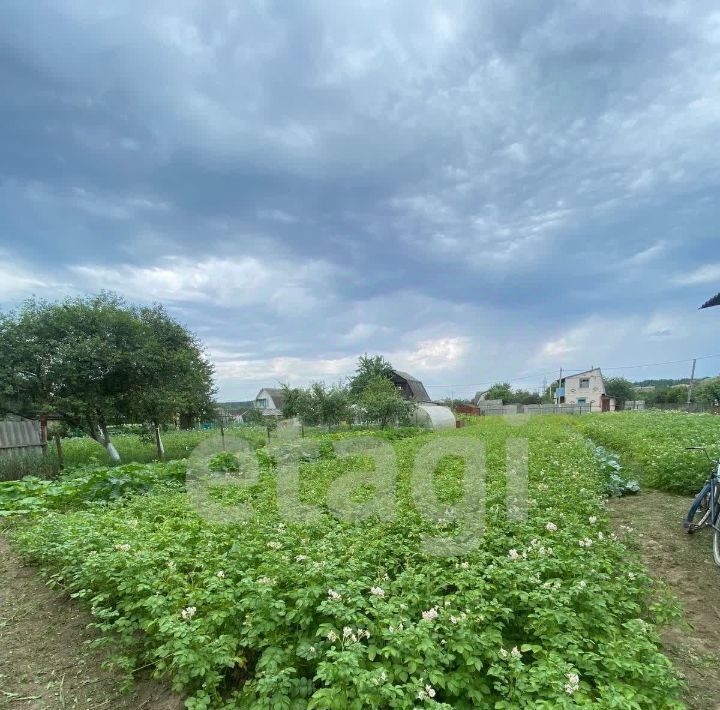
44	662
685	562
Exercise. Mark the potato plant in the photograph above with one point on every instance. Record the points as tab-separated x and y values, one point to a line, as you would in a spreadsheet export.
548	612
87	485
653	444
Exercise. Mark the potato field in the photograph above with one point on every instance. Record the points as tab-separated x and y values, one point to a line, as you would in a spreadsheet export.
303	607
654	444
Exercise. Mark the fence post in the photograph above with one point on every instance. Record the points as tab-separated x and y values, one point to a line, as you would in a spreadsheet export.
222	434
43	434
690	387
58	447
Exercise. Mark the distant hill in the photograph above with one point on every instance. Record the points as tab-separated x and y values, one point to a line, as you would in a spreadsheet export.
237	406
663	383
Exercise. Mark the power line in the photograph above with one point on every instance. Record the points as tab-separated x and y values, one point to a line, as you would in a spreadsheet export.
492	382
536	376
656	364
578	369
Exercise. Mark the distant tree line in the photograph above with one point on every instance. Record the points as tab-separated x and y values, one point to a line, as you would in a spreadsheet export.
706	391
666	391
662	383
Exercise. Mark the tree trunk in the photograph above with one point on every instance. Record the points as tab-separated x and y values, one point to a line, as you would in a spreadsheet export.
58	447
159	443
109	447
187	421
112	451
92	430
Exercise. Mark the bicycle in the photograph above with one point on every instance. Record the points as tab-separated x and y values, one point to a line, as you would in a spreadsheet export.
705	510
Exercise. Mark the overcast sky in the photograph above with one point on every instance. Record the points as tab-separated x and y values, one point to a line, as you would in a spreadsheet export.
477	190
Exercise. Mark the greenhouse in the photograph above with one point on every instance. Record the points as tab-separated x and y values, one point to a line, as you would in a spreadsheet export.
434	416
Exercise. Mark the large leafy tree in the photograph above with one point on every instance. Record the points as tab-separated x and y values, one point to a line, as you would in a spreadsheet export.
330	405
666	392
317	404
174	378
293	401
381	402
709	391
500	390
94	361
620	389
368	369
524	397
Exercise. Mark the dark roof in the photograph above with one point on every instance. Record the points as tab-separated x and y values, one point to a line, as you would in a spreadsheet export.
714	301
419	393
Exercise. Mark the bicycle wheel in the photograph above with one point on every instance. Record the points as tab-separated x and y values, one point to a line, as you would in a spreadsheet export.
699	514
716	539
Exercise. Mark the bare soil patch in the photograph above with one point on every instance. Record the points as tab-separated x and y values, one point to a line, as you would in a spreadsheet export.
45	662
685	563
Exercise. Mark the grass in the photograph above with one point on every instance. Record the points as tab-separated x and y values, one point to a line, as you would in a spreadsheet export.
136	448
133	448
17	466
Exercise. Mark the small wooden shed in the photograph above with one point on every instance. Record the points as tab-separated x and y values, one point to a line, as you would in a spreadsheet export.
21	436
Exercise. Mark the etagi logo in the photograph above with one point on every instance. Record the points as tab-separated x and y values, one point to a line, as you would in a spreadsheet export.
232	462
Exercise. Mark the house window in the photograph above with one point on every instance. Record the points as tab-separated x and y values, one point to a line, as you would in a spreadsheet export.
261	403
584	383
582	400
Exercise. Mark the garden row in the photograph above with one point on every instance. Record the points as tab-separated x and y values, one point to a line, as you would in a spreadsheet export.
291	607
654	445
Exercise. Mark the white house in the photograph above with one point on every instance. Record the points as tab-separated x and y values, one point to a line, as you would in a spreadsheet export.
585	388
270	401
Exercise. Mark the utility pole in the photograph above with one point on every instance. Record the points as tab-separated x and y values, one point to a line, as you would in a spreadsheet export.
692	382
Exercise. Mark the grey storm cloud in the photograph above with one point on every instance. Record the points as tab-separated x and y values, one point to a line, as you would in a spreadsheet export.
478	189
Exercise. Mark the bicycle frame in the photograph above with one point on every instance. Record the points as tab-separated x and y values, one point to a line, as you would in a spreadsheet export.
711	491
714	490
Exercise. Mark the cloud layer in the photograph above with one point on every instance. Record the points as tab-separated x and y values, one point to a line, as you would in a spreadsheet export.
477	190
